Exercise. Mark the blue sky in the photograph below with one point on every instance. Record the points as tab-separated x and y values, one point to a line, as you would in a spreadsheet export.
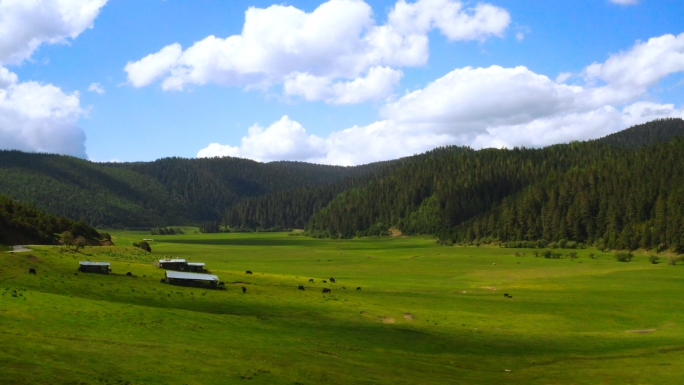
488	77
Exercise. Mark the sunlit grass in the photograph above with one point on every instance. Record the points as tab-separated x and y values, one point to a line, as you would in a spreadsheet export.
425	314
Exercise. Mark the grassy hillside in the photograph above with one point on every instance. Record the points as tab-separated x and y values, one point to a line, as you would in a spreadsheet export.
426	314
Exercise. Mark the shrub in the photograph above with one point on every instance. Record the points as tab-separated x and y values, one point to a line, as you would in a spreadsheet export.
653	259
623	256
592	256
546	253
572	255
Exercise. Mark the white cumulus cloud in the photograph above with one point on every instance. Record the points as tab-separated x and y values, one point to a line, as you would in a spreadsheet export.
494	107
26	24
35	116
330	54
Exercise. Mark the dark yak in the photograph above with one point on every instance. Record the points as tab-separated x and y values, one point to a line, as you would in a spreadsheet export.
358	288
32	271
248	272
301	287
244	289
326	290
311	280
332	280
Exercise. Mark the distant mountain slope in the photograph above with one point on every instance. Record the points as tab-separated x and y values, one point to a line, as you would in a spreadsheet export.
25	225
634	200
438	194
661	130
448	188
145	194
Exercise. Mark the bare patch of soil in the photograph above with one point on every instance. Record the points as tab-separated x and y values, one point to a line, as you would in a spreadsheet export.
408	316
387	320
394	232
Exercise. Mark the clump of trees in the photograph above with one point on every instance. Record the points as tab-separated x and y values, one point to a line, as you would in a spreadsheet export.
623	256
166	231
144	246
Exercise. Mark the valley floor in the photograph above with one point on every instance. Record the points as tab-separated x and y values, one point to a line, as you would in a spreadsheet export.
425	314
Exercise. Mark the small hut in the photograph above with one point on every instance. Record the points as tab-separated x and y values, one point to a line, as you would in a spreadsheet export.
191	279
173	264
94	267
197	267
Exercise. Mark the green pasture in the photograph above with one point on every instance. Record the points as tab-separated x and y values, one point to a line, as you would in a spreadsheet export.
425	314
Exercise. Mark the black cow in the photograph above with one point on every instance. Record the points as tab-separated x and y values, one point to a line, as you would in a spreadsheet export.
244	289
324	281
248	272
129	273
332	280
311	280
301	287
326	290
506	295
32	271
358	288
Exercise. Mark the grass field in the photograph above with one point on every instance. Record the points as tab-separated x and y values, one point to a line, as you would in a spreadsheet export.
425	314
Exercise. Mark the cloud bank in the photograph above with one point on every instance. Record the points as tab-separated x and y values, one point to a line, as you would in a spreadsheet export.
34	116
336	53
487	107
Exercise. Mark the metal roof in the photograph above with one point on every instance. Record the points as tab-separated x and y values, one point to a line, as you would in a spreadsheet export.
88	263
195	263
192	276
172	261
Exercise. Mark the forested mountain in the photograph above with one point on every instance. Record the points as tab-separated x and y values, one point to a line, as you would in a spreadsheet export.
661	130
24	224
607	191
448	188
167	191
635	200
620	191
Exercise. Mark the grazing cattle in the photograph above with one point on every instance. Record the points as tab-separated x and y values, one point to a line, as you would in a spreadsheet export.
311	280
301	287
506	295
324	281
358	288
244	289
332	280
163	280
510	296
326	290
344	288
248	272
129	273
32	271
222	284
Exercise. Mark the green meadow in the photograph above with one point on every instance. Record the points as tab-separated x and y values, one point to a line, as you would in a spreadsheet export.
425	314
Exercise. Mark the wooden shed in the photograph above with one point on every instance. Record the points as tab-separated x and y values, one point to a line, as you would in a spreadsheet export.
197	267
94	267
191	279
173	264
